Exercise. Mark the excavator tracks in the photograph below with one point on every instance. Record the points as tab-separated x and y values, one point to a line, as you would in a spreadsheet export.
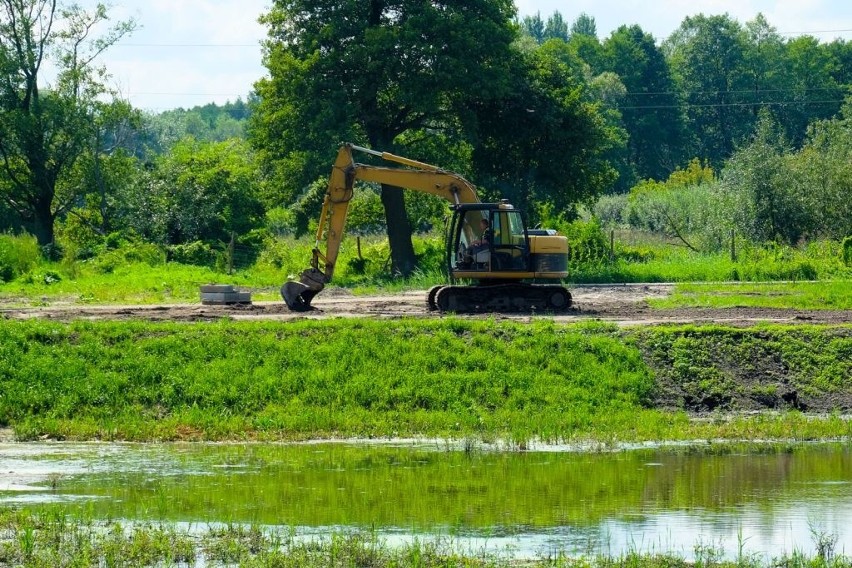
512	297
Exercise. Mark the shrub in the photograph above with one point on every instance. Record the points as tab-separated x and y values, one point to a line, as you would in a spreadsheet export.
18	255
128	253
281	222
588	245
196	253
610	210
847	251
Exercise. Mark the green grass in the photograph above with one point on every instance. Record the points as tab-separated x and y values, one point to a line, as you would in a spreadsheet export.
53	538
338	378
122	277
316	379
642	257
826	295
138	274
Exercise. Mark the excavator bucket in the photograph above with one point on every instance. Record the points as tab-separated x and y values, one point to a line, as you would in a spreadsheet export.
298	295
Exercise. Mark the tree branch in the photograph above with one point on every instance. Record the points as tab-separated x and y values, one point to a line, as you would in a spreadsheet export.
677	232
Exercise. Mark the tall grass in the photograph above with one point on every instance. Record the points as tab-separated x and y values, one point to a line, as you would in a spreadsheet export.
139	273
18	255
644	257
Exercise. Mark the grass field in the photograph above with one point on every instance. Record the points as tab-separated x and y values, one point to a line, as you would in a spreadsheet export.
139	274
448	378
824	295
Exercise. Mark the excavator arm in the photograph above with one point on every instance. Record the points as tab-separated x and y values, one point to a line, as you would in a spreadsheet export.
417	176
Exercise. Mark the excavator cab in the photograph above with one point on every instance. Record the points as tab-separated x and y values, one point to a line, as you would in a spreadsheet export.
488	240
500	267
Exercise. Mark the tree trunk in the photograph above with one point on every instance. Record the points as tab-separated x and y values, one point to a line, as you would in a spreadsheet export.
43	220
403	261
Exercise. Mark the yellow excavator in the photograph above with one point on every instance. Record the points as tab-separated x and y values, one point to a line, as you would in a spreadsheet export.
505	266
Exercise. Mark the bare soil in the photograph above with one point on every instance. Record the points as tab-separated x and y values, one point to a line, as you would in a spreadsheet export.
622	304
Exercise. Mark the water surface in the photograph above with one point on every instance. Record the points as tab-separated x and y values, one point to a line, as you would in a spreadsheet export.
765	501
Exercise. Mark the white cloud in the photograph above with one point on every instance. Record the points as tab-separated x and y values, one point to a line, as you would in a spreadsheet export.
662	17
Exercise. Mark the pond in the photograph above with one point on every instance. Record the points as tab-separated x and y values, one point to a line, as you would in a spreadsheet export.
691	500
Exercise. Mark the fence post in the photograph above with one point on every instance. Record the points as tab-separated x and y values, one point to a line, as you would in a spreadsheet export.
733	246
611	245
231	255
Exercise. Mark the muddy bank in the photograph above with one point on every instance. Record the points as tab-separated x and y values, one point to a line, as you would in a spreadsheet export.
724	369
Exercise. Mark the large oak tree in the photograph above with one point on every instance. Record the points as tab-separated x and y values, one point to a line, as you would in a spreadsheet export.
370	72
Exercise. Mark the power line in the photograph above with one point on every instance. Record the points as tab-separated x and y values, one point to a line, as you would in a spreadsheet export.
188	44
716	105
736	91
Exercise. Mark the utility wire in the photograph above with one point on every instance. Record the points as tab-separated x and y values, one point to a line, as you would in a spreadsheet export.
718	105
188	44
736	91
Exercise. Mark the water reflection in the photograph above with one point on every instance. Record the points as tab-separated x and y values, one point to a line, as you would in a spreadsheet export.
767	501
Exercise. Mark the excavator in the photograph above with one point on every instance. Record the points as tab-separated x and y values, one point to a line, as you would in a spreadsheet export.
504	271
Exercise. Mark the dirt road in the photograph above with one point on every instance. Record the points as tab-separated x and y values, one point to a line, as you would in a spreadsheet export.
621	304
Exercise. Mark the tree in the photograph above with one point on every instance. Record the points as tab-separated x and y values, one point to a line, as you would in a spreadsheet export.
763	63
200	191
650	111
43	130
544	144
585	43
541	31
556	27
841	53
372	72
822	176
812	93
765	205
533	26
94	183
706	54
584	25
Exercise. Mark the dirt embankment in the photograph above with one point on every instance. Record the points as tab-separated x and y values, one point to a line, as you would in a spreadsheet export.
621	304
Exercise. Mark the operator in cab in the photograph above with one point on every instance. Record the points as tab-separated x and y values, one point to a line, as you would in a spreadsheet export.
485	237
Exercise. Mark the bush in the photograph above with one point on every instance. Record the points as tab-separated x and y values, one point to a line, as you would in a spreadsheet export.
847	251
18	255
611	210
128	253
588	245
281	222
196	253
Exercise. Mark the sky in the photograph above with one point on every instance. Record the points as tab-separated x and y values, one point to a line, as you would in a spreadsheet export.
192	52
